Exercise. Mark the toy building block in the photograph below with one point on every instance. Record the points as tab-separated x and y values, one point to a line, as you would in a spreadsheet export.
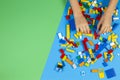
70	50
87	64
111	57
96	46
91	43
99	56
81	64
110	51
72	25
94	70
91	53
101	74
110	73
96	35
59	67
60	36
105	55
68	31
67	17
85	45
62	41
105	64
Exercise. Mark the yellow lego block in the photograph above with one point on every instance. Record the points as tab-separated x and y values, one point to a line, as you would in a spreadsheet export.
89	3
79	33
90	51
87	64
111	57
76	36
84	57
90	35
85	1
101	75
59	63
70	50
109	37
64	58
68	31
64	45
105	55
93	22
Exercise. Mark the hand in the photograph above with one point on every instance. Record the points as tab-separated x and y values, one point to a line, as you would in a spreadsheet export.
81	24
104	24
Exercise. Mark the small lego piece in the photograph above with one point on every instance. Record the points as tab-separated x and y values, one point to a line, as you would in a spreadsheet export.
68	31
105	64
91	43
110	73
99	56
101	74
70	50
94	70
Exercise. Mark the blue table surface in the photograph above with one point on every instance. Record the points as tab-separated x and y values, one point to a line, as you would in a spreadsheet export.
68	72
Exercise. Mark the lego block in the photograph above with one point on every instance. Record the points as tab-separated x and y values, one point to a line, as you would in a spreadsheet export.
94	70
101	75
70	50
91	43
99	56
87	64
72	25
68	31
62	41
110	73
105	64
81	64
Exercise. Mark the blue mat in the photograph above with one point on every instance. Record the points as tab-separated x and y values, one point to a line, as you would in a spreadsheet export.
68	73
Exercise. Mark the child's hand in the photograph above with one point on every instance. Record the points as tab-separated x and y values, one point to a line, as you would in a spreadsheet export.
81	24
104	24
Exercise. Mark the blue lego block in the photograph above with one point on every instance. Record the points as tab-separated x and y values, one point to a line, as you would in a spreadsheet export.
104	40
62	41
115	26
105	64
110	73
72	25
80	60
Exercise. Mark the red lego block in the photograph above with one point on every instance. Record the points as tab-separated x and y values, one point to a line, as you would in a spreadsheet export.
67	17
70	11
61	51
99	56
85	45
110	51
80	3
85	40
62	56
96	46
96	35
98	17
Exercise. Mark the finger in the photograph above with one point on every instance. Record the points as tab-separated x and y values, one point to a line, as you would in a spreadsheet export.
101	31
81	29
77	29
105	30
88	29
85	29
99	26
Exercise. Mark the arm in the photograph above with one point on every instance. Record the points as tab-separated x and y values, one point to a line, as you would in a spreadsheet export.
80	21
104	24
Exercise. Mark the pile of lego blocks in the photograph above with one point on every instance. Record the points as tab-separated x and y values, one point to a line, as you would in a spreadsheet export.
99	46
